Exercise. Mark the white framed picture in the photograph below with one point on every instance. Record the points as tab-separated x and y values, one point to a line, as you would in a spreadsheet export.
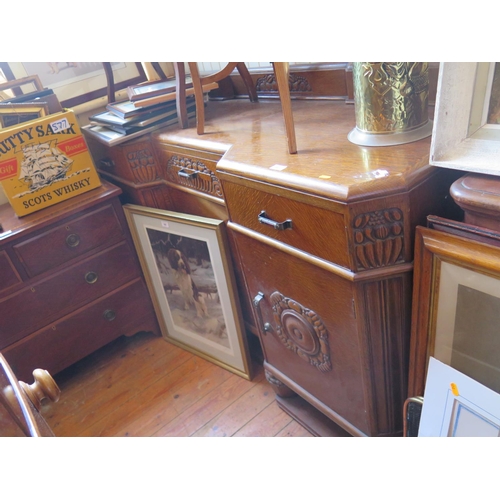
456	405
466	133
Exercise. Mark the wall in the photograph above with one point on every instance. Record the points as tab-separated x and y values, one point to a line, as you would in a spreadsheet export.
212	67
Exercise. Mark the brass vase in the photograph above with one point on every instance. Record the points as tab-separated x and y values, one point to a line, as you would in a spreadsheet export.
391	103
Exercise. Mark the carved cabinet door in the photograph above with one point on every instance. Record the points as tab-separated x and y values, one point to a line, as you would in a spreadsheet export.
307	326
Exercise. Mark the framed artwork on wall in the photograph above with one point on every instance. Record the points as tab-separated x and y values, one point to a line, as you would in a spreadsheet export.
190	278
466	133
76	82
456	308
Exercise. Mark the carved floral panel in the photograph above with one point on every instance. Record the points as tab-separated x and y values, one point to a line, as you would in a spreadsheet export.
302	331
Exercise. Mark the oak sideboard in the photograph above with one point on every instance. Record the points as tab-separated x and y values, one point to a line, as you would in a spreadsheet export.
322	243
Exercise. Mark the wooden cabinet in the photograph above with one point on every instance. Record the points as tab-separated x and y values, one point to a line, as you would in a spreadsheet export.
325	241
332	296
322	243
70	282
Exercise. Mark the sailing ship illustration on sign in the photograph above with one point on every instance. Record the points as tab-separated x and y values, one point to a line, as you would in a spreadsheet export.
43	164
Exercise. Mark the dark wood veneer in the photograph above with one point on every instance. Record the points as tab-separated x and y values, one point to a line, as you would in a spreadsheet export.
61	269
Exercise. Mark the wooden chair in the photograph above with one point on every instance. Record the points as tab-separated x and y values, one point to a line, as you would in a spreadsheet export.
202	83
199	81
281	71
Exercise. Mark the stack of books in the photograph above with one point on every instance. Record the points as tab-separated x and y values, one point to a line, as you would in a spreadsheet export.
151	105
125	120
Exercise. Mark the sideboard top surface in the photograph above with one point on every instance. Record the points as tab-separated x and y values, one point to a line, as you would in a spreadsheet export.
251	141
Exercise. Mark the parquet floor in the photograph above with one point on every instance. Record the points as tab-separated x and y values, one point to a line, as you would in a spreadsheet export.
145	386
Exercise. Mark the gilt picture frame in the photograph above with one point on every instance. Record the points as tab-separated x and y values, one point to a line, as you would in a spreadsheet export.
455	308
463	137
15	113
189	275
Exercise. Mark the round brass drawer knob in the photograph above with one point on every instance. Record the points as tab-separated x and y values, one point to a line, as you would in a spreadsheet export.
109	314
72	240
91	277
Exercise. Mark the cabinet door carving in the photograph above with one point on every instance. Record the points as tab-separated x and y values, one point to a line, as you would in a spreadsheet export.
302	331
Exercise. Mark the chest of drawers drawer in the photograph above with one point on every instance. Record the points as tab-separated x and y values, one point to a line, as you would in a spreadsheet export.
69	240
81	332
49	298
8	274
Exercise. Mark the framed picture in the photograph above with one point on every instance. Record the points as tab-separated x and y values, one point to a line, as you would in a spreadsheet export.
16	86
190	278
456	308
153	89
466	133
15	113
76	82
457	406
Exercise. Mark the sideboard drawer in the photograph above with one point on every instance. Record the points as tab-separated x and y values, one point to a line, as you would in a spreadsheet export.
59	345
310	225
190	172
53	297
69	240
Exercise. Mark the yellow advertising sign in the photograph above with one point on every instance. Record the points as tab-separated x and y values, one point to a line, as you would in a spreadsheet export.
45	161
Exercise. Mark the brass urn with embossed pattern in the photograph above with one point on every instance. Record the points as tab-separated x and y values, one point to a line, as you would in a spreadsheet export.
391	103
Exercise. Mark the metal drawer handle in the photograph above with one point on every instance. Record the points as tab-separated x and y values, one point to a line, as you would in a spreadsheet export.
281	226
109	314
266	327
107	163
91	277
187	175
72	240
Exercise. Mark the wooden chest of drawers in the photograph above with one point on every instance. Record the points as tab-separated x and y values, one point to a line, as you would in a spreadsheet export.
70	282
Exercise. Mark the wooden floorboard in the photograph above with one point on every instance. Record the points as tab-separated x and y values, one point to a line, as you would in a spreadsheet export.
144	386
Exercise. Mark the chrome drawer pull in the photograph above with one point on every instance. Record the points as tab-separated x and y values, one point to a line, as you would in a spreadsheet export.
72	240
187	175
281	226
266	327
109	314
91	277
